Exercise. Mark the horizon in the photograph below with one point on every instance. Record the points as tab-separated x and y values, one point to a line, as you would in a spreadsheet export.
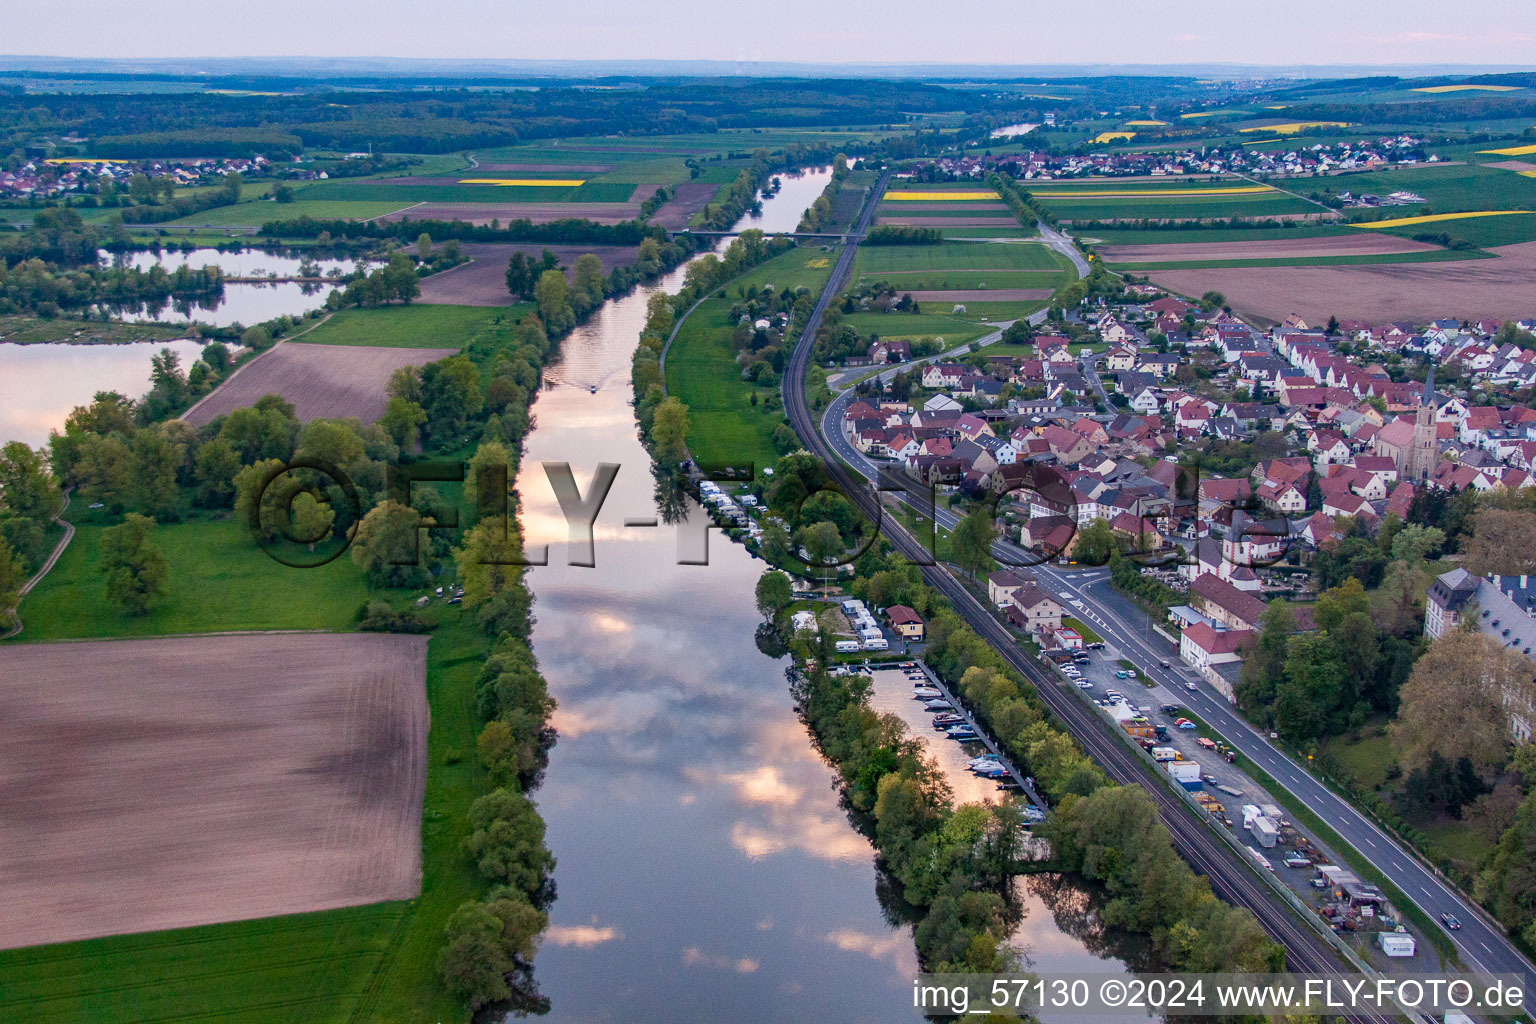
973	33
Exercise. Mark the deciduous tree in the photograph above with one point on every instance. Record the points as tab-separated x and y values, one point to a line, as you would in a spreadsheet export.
134	569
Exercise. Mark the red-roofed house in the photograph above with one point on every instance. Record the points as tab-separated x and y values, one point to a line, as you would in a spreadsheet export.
1207	649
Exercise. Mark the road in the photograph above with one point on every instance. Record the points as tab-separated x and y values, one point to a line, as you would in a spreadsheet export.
1230	878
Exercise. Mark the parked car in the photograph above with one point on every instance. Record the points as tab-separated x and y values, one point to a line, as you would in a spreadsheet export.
1122	674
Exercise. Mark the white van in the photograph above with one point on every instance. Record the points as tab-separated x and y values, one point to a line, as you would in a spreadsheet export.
847	646
878	643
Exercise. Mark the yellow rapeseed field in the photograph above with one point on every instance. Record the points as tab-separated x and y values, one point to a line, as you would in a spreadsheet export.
1112	136
1430	218
1236	190
1292	127
1463	88
900	196
1511	151
526	182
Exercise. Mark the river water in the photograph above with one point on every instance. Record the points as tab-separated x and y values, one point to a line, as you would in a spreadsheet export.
706	869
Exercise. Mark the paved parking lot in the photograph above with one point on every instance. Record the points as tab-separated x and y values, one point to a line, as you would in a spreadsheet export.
1106	675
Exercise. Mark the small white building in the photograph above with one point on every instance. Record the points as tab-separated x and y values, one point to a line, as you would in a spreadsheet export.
1395	943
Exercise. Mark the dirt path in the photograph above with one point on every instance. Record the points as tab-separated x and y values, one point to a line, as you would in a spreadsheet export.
58	550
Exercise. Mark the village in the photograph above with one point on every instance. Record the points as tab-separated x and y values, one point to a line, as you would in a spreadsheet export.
1321	432
1293	159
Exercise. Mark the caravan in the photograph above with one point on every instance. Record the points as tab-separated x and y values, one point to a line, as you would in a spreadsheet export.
847	646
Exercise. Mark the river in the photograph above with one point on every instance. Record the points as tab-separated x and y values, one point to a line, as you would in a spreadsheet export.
706	870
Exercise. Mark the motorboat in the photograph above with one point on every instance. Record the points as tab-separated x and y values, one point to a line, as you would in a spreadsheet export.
926	693
938	705
945	721
996	771
963	733
984	759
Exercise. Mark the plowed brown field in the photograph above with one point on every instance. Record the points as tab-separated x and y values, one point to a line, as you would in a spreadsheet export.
162	783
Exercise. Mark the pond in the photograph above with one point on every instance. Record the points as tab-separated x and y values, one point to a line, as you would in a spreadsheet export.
242	302
1013	131
40	384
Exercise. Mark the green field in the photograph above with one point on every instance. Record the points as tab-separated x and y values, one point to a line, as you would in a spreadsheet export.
1357	259
263	211
26	330
218	580
946	279
996	310
1256	204
1194	235
373	963
724	425
1479	231
405	195
874	260
912	326
1445	188
416	326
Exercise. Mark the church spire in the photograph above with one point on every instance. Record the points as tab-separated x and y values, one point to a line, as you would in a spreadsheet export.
1428	398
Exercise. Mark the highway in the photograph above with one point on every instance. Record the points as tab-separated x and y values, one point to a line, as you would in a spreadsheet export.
1230	878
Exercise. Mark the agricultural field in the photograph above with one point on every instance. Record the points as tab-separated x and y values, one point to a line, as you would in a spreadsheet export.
1187	199
153	816
404	191
375	962
876	261
322	381
255	214
1447	187
915	326
1498	288
483	280
1327	246
992	280
416	326
1199	235
957	209
724	425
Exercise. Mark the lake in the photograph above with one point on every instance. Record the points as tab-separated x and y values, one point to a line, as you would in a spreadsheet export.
40	384
242	302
